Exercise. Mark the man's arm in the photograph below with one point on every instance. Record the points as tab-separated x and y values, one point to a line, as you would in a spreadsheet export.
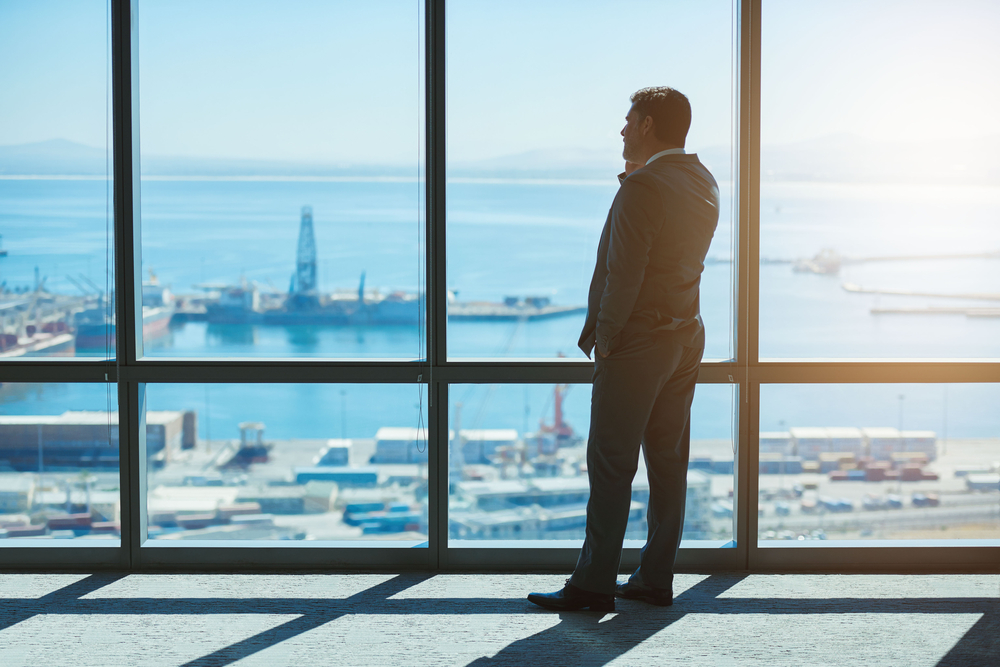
635	221
629	168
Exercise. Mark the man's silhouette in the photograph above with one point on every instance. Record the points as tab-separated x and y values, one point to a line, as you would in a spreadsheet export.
643	319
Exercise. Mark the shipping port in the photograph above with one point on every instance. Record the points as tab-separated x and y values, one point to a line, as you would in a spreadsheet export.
304	304
59	478
37	322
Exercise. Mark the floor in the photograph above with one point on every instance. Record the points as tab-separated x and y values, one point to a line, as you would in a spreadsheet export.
414	619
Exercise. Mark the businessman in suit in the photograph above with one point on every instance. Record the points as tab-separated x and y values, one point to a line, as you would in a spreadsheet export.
643	320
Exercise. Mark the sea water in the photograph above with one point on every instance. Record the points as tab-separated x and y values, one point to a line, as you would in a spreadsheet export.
518	238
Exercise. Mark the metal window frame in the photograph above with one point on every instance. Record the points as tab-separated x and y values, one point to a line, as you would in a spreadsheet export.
747	372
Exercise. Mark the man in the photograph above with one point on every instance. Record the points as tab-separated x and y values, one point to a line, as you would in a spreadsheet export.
643	318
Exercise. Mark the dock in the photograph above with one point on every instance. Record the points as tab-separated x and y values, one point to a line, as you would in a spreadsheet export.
487	311
968	312
973	296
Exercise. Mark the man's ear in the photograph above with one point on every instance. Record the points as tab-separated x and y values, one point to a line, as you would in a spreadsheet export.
647	125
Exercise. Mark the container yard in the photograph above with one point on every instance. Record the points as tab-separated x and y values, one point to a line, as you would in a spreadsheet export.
59	479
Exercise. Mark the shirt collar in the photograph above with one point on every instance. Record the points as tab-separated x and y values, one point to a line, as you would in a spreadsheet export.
669	151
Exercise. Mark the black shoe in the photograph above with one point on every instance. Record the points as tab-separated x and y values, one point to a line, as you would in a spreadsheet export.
571	598
662	597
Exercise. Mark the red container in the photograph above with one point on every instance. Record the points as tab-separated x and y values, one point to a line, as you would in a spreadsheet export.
105	527
26	531
162	518
195	521
226	512
69	521
875	474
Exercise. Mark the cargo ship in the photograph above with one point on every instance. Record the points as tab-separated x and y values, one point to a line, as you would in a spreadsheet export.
54	339
36	323
95	327
512	308
304	304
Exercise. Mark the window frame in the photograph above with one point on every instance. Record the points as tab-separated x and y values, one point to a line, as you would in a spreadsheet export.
746	371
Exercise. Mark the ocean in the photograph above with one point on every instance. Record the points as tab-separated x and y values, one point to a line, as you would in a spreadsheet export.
529	238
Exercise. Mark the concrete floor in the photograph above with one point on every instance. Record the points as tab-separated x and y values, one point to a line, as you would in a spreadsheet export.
413	619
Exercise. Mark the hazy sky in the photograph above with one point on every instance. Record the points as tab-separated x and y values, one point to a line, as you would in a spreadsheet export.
340	81
53	57
899	70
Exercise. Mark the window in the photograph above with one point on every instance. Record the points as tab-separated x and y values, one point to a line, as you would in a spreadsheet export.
56	212
851	462
300	462
878	180
59	464
282	194
334	357
518	467
537	95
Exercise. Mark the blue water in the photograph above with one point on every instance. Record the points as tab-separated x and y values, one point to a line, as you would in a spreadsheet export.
521	239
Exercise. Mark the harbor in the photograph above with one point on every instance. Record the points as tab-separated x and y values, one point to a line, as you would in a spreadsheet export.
59	479
37	322
304	304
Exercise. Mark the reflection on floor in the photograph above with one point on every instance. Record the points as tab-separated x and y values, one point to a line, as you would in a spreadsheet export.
415	619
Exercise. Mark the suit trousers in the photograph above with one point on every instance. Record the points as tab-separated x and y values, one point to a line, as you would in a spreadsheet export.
642	396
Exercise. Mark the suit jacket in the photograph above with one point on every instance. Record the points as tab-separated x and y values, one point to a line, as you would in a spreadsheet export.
652	253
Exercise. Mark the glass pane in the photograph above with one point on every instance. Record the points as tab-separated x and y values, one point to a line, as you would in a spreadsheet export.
59	463
879	462
518	466
264	462
282	194
56	204
537	95
880	167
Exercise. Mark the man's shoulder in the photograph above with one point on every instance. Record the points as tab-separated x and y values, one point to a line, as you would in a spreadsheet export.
640	178
639	188
676	169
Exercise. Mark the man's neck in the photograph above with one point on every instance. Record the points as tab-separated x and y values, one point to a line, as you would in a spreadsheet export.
667	151
653	150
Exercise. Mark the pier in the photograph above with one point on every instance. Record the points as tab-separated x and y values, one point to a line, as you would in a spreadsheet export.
828	261
852	287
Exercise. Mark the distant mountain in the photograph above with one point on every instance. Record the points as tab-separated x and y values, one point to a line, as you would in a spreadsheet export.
849	158
55	156
158	165
572	163
833	158
63	157
543	163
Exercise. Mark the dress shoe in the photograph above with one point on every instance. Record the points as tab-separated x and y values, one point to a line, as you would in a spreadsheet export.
662	597
571	598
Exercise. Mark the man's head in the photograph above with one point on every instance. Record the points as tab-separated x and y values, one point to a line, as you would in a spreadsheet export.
659	119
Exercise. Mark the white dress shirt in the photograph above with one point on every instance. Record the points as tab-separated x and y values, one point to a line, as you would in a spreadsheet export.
669	151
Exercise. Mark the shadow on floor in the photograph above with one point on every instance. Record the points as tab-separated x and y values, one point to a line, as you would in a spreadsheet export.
580	638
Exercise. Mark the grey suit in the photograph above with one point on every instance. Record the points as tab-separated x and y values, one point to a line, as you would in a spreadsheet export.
643	314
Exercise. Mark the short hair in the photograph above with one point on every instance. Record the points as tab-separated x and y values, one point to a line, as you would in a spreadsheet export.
670	110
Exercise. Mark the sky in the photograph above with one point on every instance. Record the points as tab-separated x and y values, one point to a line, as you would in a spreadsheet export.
329	81
53	71
885	70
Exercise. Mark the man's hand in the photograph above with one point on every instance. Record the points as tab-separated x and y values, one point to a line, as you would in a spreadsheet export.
631	166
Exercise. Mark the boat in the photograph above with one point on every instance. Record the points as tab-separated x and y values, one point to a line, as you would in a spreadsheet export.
512	308
36	323
304	304
56	341
95	327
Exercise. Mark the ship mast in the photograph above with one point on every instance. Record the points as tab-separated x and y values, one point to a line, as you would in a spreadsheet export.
305	259
302	293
